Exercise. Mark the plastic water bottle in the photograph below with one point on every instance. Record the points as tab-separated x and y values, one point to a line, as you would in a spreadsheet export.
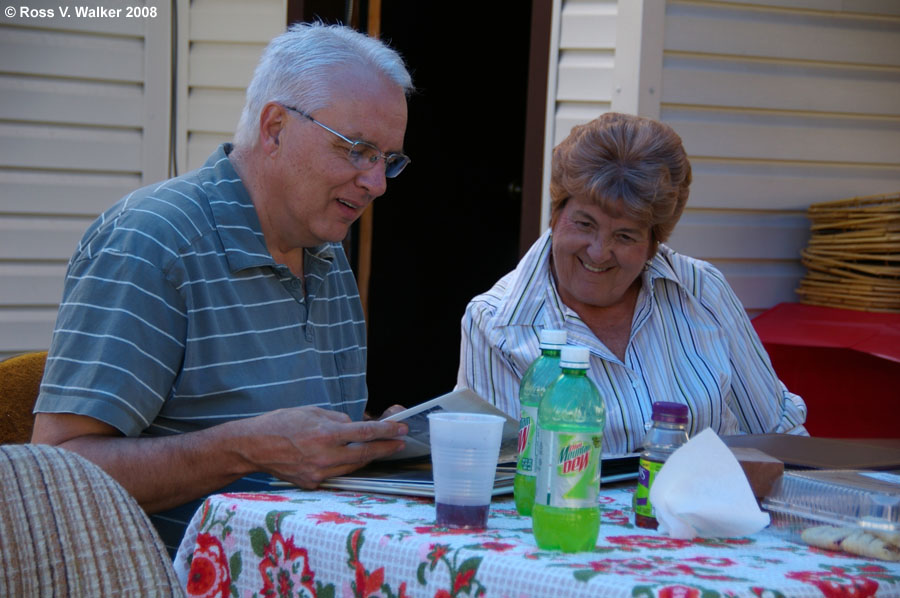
571	418
667	432
542	372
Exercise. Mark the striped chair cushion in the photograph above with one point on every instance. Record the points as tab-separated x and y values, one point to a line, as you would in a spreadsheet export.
68	529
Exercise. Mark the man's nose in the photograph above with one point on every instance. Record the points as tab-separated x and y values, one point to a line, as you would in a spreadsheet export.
373	180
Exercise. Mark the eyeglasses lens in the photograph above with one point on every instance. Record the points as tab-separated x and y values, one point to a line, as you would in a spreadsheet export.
394	165
364	156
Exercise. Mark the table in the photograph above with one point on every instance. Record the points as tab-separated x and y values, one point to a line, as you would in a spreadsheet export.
329	543
844	363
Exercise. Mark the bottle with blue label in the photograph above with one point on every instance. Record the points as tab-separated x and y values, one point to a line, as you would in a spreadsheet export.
542	372
571	419
667	432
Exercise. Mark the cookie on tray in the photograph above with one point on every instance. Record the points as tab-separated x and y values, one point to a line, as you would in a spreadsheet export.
852	540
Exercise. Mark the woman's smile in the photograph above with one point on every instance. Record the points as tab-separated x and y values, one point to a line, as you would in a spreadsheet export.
596	257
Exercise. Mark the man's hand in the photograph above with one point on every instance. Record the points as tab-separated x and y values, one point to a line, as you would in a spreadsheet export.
305	445
302	445
393	409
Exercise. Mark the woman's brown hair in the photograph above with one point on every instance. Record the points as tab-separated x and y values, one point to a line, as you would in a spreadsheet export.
628	165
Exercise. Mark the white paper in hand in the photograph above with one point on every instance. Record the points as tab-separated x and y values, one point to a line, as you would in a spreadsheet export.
702	491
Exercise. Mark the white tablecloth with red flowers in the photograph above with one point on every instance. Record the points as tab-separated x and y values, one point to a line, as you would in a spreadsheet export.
344	544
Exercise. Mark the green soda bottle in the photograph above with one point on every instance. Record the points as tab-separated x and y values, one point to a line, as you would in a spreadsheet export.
542	372
571	418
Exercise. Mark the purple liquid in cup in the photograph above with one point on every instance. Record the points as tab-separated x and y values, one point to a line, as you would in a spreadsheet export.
462	516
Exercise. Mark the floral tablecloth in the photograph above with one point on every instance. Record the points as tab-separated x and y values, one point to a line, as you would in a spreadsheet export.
343	544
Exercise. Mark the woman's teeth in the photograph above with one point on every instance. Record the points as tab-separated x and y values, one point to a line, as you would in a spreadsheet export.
346	203
590	268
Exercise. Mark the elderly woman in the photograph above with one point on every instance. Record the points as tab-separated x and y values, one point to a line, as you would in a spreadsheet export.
659	325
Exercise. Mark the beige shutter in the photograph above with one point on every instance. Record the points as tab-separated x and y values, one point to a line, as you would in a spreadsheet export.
85	117
220	46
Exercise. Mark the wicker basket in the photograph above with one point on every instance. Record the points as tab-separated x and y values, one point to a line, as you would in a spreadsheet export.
853	256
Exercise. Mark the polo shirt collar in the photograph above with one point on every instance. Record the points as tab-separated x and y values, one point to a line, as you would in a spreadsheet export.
236	220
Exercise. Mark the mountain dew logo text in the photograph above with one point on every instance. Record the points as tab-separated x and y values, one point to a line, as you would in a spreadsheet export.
574	458
525	427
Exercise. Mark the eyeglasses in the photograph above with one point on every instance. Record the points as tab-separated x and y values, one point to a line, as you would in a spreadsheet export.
361	154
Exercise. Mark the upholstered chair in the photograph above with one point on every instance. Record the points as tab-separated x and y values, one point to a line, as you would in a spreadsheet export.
68	529
20	380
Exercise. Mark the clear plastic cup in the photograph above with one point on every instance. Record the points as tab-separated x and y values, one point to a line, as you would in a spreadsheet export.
464	452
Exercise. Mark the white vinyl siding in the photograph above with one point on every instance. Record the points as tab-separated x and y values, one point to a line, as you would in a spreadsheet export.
585	63
80	113
85	114
226	39
780	104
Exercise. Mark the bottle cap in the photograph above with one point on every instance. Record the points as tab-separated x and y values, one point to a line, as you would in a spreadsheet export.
670	413
574	357
551	339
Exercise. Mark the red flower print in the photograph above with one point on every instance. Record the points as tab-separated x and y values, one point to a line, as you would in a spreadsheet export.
368	584
436	530
256	496
334	517
679	592
638	565
373	516
497	546
599	566
205	507
463	581
835	554
355	543
711	561
285	570
616	517
442	594
209	575
719	542
657	542
649	568
438	551
837	583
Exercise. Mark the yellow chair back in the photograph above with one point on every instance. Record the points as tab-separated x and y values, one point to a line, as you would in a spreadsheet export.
20	381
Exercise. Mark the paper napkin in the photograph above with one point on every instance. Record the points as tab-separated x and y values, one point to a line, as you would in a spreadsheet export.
702	491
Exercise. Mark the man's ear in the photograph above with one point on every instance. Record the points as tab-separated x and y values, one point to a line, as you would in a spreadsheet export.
272	120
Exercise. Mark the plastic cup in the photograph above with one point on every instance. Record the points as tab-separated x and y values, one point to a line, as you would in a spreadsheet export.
464	452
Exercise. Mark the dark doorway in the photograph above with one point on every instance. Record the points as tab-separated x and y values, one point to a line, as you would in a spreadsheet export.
448	227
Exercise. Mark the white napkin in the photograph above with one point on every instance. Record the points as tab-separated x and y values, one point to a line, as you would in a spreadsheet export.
702	491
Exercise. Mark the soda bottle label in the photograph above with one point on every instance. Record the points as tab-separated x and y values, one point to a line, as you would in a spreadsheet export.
571	477
527	420
647	471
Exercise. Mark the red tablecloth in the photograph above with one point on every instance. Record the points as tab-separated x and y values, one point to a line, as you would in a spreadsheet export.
844	363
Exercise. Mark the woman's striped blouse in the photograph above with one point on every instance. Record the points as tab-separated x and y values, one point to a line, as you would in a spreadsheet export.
691	342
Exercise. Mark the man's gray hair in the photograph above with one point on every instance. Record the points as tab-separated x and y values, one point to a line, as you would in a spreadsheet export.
298	65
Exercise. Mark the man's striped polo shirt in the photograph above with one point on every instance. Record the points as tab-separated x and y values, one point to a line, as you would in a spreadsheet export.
175	317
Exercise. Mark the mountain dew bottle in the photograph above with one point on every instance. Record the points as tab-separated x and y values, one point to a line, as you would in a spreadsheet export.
542	372
571	418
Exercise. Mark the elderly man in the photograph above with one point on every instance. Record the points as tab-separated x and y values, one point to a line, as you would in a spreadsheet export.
210	325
